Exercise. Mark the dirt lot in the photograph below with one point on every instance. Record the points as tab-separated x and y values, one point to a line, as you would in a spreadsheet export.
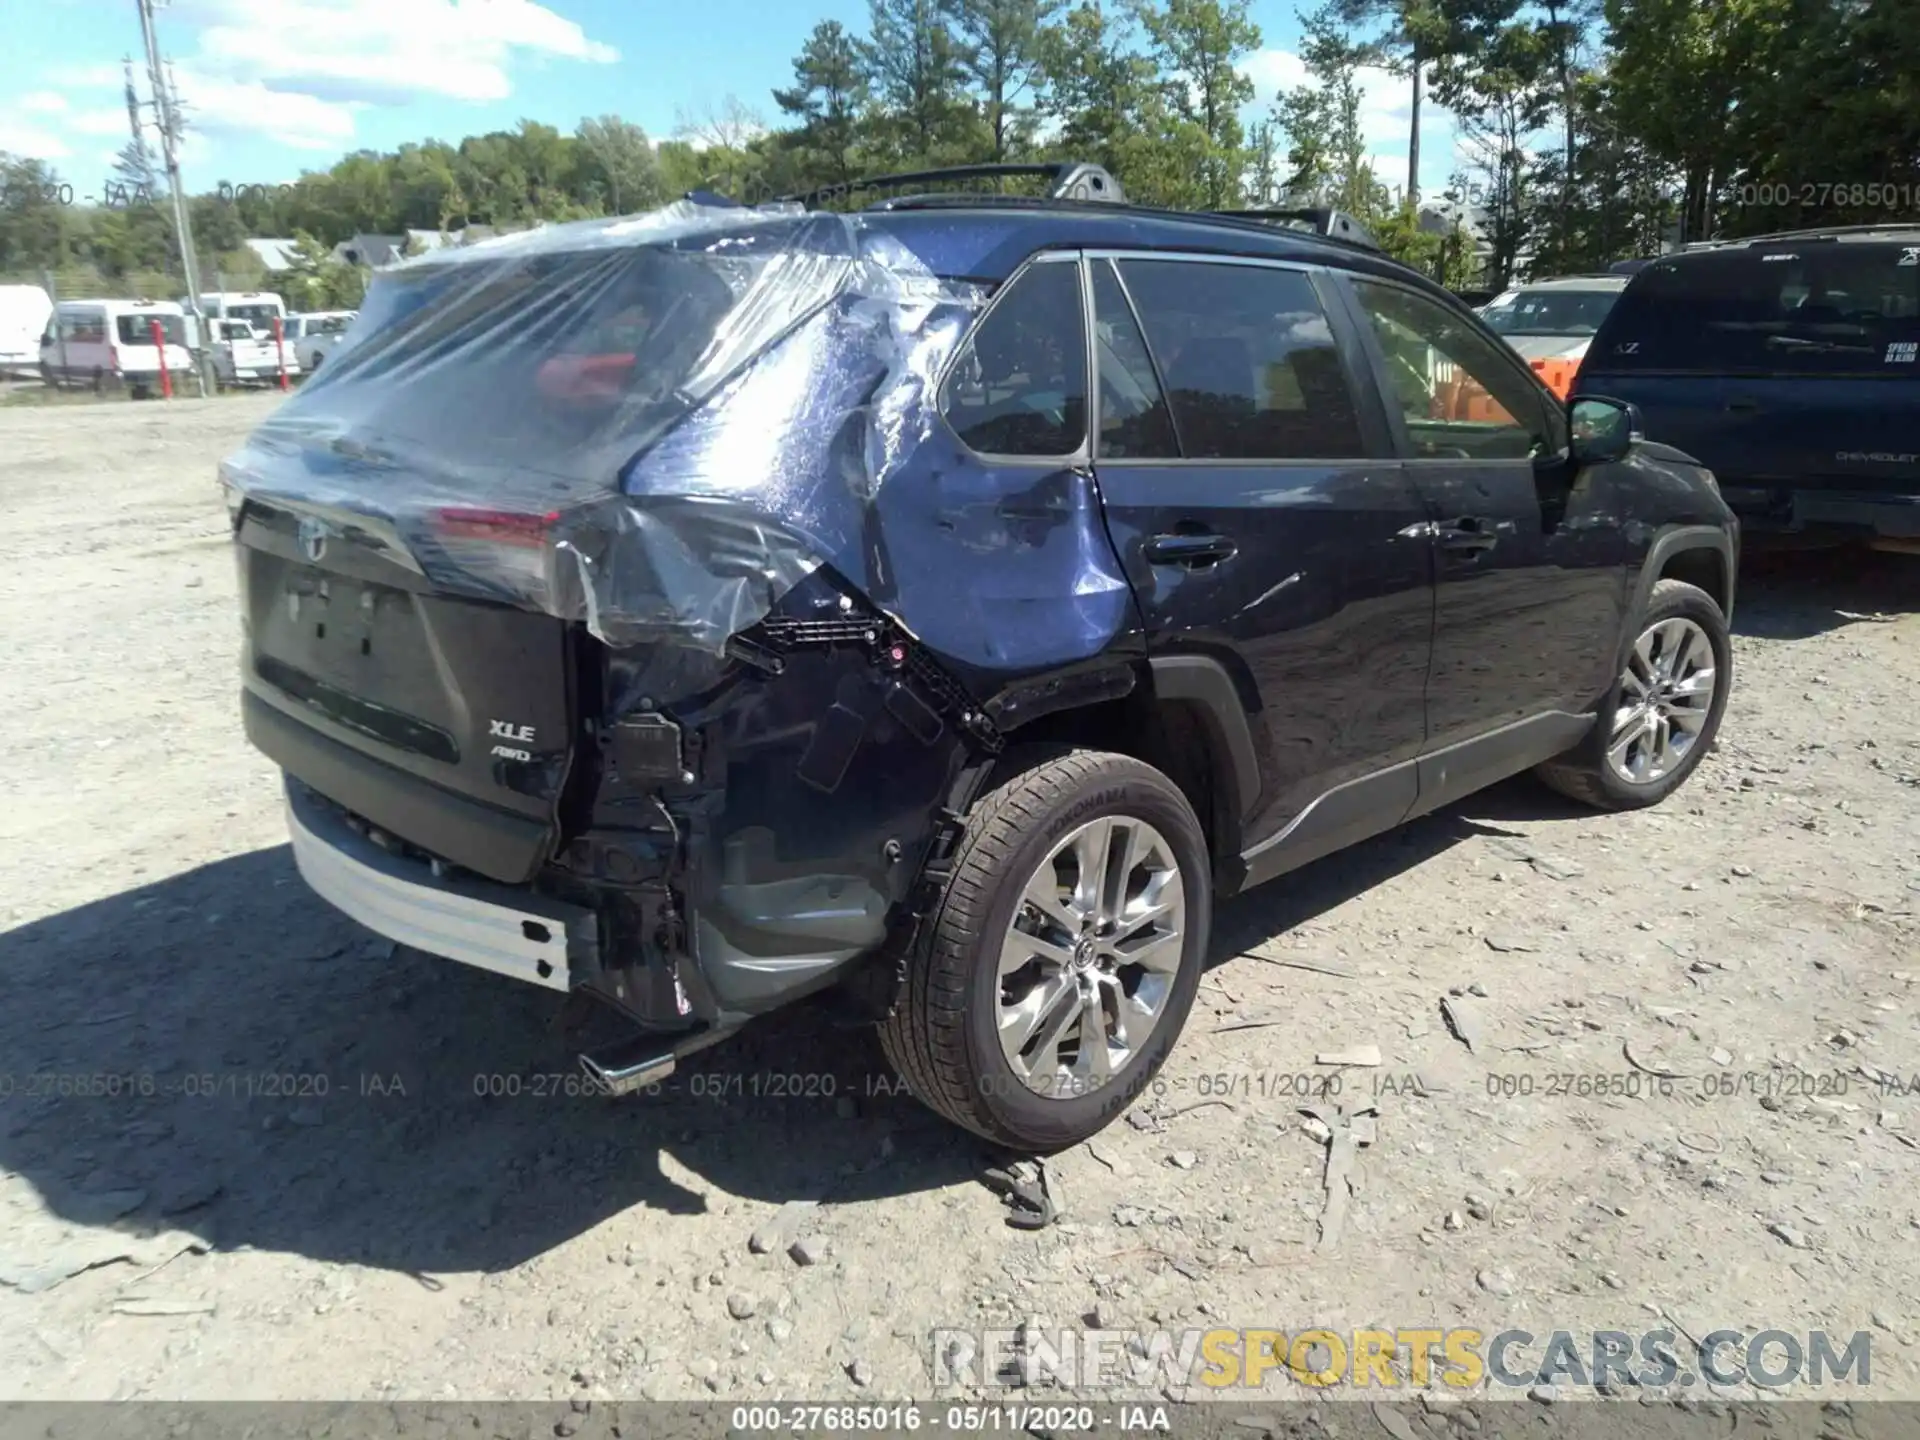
403	1236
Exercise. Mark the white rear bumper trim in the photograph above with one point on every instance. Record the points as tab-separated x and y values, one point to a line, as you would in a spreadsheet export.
403	900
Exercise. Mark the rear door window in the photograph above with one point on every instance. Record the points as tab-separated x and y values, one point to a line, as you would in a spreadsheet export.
1248	360
1019	384
1815	308
1135	421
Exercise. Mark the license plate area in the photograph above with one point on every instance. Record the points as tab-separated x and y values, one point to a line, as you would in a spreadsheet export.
357	652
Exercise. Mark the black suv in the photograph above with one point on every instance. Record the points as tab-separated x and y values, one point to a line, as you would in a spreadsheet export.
1791	365
945	603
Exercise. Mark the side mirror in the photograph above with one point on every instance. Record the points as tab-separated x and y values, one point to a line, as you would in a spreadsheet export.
1602	430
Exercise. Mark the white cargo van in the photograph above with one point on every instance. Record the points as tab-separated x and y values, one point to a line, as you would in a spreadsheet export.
24	311
108	344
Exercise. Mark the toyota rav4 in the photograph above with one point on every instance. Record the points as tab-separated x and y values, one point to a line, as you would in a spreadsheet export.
945	602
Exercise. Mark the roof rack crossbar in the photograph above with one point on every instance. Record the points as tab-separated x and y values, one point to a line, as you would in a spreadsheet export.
1323	220
1067	180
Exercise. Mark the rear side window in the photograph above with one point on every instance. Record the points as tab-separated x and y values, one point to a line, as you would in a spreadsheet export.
1248	360
1823	308
138	329
1135	423
1019	384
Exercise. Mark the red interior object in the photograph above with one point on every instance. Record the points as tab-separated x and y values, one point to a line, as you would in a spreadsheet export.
585	377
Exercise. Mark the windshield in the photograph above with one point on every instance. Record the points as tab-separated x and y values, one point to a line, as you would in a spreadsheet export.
1826	308
261	315
1549	312
138	329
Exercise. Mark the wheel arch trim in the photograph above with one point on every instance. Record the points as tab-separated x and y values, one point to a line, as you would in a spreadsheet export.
1676	540
1204	682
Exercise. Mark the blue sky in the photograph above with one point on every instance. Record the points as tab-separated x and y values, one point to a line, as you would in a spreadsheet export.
280	86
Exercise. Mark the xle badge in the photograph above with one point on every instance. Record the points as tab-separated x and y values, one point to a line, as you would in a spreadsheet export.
521	735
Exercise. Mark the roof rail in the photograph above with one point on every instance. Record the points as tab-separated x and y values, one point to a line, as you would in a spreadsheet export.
1320	219
1812	232
1067	180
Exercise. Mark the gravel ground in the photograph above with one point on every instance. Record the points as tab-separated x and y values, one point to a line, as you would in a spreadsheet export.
238	1234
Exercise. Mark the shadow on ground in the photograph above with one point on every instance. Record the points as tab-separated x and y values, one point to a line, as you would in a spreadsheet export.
276	1079
1794	594
268	1060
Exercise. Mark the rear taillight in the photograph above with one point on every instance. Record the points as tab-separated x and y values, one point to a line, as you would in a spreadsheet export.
504	549
501	527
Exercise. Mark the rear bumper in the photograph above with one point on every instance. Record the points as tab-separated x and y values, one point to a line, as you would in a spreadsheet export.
1768	510
509	931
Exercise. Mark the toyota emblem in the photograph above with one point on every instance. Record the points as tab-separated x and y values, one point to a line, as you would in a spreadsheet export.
313	538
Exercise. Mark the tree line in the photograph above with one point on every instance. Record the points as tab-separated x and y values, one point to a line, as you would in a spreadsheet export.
1591	130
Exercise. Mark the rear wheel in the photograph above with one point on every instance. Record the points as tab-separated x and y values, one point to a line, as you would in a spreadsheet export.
1660	719
1053	979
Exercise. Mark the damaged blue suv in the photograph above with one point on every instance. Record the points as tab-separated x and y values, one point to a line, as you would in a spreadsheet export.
945	602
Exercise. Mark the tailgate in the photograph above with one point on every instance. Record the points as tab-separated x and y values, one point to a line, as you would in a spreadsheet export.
447	722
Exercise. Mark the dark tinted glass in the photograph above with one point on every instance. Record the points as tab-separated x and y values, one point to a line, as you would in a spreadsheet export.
1822	307
1135	422
1019	386
138	329
1248	359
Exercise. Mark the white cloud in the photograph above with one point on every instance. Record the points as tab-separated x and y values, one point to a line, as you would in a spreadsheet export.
83	77
298	72
216	104
19	138
105	120
1273	71
383	51
1386	114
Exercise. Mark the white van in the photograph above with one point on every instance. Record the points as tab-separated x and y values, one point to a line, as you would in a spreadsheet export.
102	344
314	335
259	308
24	311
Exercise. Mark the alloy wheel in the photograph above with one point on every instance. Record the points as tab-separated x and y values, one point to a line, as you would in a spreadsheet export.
1090	958
1666	695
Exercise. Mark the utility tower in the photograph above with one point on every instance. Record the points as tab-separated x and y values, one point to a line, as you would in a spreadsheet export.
166	113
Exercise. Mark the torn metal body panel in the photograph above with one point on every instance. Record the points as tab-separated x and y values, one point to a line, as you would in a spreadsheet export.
632	563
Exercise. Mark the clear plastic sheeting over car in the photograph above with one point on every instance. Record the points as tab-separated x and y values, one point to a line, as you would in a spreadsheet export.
655	425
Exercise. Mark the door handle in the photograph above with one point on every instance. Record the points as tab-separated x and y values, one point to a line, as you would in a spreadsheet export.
1467	534
1192	551
1743	404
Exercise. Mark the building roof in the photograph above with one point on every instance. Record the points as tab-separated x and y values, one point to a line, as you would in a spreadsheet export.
375	250
275	254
